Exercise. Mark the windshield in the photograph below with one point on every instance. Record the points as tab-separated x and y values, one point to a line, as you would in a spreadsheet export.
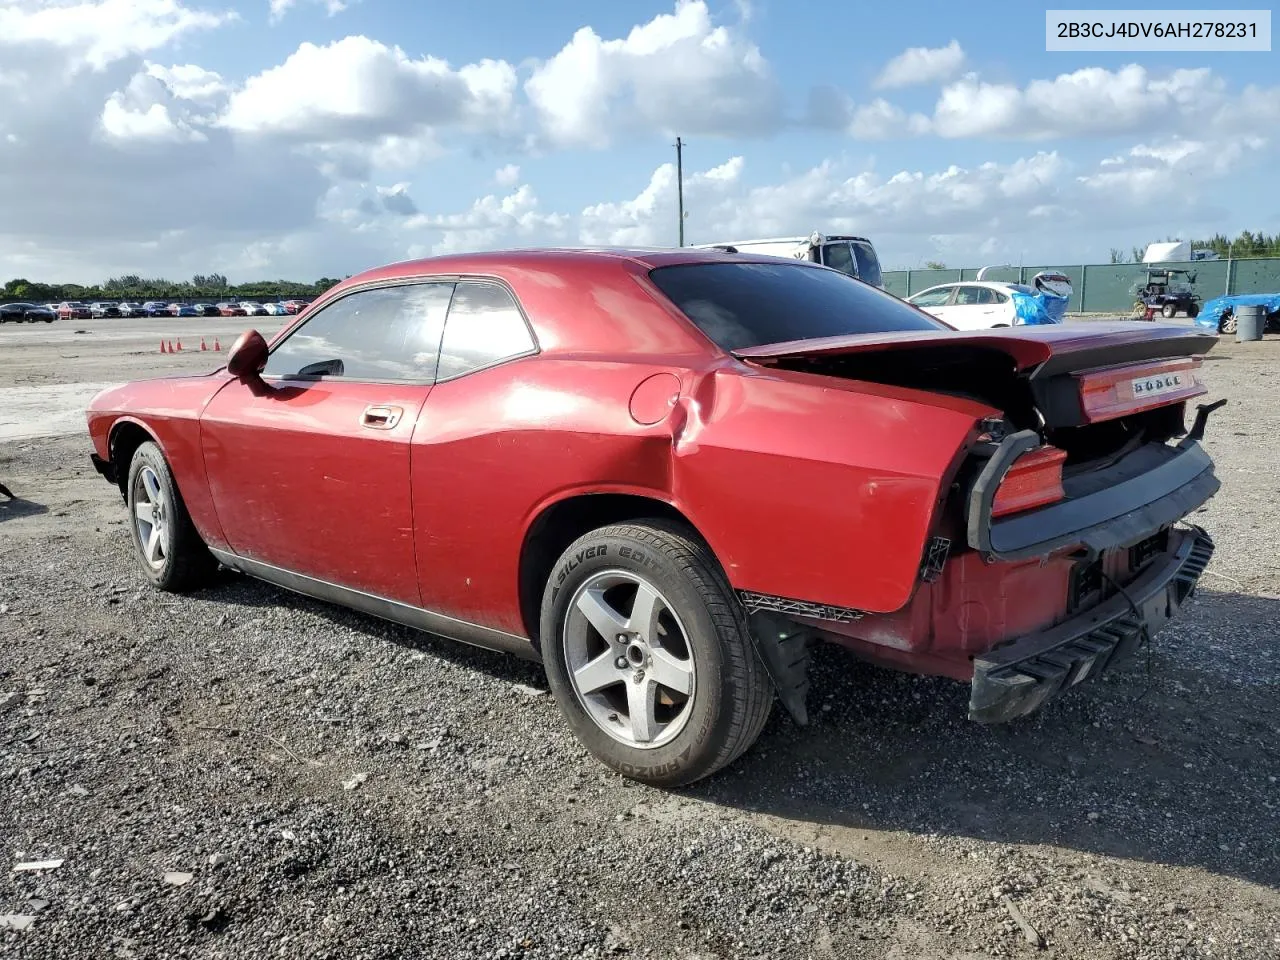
741	305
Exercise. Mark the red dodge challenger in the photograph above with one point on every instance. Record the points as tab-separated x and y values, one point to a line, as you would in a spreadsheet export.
664	473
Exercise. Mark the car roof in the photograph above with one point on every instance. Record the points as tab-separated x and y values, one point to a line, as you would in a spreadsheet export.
498	261
1002	285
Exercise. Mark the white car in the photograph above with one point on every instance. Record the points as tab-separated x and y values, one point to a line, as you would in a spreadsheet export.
982	304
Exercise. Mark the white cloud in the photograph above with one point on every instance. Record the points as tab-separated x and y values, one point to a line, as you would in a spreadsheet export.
141	112
832	109
106	165
921	65
513	219
507	176
100	32
881	120
190	82
395	199
981	211
651	218
280	7
357	88
1090	102
677	73
1152	173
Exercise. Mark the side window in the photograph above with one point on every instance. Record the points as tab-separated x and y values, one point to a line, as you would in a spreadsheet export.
933	298
969	296
839	257
389	333
993	296
484	327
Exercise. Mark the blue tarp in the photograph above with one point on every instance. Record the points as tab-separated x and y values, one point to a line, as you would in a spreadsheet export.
1210	314
1041	307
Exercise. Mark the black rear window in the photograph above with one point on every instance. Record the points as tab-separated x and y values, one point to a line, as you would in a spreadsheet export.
742	305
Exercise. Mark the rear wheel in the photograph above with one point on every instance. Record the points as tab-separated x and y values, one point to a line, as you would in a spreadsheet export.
648	654
165	541
1193	311
1228	323
1169	311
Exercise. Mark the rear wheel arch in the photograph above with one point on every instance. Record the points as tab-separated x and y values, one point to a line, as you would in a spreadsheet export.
560	523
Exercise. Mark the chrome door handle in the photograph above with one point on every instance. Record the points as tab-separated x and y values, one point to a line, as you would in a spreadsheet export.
380	417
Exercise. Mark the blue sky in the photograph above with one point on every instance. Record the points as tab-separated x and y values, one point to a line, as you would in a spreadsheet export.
309	137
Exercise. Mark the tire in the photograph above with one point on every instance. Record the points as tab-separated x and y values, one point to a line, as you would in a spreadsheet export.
1169	311
699	637
175	559
1228	323
1193	311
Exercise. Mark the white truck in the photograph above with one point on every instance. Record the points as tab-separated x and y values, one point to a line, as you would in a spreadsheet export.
1175	250
852	255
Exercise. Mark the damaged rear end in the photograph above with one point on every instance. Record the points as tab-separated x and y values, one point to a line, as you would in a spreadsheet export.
1061	545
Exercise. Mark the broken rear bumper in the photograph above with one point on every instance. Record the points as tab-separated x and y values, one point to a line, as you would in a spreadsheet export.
1017	677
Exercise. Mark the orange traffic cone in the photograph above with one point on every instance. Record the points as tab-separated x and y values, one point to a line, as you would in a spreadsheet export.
162	349
179	344
216	345
202	346
171	346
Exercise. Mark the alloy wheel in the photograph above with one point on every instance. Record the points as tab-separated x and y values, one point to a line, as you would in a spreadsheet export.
629	659
151	517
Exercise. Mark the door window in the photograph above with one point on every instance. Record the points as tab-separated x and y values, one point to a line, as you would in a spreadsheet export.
970	296
485	327
933	298
384	334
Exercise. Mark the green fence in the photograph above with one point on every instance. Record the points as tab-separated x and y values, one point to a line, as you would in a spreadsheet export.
1108	287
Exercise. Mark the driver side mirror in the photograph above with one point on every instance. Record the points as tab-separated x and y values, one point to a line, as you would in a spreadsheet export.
248	356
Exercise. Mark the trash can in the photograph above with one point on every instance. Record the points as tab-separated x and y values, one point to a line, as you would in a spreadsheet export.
1250	321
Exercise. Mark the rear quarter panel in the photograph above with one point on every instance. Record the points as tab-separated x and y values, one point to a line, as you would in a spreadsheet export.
169	411
817	489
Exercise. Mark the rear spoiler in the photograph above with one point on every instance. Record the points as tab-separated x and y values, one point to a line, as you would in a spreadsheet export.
1046	350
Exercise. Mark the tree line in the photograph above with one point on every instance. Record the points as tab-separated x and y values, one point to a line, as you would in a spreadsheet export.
213	286
1247	246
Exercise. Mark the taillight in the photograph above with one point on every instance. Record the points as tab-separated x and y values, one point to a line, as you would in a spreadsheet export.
1113	392
1034	480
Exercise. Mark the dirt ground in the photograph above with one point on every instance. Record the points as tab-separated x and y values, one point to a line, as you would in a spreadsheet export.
244	773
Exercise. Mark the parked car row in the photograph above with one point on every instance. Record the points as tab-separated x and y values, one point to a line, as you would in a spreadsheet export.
79	310
25	313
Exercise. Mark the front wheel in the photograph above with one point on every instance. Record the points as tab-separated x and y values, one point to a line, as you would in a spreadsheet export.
649	656
165	541
1228	323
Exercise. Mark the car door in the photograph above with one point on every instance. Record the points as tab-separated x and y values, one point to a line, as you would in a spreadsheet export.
965	312
309	471
469	471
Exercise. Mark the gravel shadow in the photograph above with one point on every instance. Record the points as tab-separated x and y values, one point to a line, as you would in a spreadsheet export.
18	507
1173	760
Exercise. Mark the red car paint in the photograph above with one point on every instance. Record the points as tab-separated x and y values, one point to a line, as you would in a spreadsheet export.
804	485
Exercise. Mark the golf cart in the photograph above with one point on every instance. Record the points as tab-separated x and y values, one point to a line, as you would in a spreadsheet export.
1167	293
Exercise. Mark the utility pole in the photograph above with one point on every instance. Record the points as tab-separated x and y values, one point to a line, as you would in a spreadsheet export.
680	186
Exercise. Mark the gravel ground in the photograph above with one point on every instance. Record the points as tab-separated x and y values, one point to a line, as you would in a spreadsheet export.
244	773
